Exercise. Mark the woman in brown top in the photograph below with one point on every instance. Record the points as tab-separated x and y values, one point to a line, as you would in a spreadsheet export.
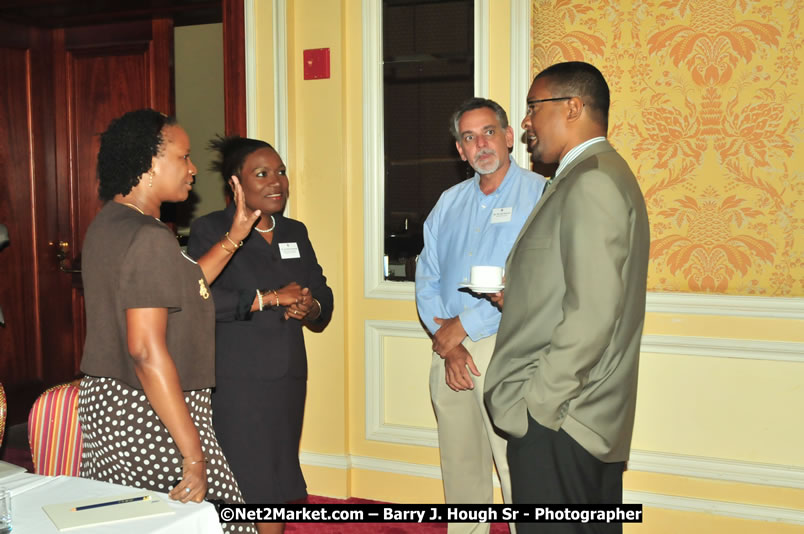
144	405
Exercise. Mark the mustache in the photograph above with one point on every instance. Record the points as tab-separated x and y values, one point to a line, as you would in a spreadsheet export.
484	152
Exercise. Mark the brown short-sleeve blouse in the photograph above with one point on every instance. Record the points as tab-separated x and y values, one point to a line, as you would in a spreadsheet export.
130	260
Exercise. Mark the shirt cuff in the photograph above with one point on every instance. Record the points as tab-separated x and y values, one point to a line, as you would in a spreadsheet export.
244	301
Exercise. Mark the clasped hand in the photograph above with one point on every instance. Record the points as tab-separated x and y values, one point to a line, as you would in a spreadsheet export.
298	301
457	360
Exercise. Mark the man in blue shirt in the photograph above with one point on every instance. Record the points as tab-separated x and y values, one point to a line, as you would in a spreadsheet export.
473	223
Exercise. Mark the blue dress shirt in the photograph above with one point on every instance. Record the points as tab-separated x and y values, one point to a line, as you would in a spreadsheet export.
459	233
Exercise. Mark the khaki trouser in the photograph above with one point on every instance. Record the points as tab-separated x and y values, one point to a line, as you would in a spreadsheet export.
467	442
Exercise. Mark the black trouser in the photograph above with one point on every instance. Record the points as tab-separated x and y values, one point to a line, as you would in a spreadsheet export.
549	467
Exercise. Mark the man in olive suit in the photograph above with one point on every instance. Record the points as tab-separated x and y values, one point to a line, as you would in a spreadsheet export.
562	380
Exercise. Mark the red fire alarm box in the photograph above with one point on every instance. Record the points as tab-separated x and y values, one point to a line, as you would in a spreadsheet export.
316	64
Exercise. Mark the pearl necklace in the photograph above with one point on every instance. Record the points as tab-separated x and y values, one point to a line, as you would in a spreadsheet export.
271	229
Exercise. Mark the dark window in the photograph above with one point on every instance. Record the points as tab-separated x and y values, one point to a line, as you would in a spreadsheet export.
428	70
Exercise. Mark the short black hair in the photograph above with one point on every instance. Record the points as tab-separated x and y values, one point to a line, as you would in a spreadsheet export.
577	78
127	149
232	153
476	103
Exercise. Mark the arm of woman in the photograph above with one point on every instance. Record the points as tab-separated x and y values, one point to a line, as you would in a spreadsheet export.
219	254
157	373
316	302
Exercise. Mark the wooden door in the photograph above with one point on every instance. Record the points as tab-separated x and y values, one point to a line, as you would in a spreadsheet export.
64	87
28	207
62	84
106	71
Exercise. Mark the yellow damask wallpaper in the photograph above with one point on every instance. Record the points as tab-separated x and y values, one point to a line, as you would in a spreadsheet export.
707	108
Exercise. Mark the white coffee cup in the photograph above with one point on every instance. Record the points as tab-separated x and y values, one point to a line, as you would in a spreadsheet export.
486	276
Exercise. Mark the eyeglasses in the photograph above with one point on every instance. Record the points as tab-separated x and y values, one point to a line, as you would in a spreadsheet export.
550	99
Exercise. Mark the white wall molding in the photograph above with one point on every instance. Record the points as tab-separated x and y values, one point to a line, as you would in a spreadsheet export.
280	19
376	427
333	461
396	467
647	461
728	305
520	74
723	508
280	75
717	469
252	127
674	303
647	499
724	348
481	48
374	283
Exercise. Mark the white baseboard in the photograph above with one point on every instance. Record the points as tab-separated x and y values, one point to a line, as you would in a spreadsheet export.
780	476
723	508
653	500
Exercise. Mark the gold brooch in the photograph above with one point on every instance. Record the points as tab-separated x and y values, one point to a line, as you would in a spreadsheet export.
203	289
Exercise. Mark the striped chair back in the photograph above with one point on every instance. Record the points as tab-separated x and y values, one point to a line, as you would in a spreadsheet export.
3	411
54	432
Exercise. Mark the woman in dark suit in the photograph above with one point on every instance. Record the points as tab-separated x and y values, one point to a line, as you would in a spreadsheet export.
270	289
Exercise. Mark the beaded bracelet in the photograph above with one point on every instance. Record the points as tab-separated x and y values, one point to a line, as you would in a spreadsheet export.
277	297
259	299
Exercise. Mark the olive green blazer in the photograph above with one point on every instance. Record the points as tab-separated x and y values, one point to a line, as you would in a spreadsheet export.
567	349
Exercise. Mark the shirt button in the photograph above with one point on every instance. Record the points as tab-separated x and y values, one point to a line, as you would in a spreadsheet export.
483	206
470	254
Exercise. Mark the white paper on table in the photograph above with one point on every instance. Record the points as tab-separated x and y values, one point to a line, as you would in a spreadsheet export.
66	517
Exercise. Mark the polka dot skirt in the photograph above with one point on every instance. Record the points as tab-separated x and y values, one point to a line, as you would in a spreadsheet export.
126	443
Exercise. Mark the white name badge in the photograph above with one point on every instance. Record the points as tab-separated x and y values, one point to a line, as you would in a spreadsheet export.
289	250
501	215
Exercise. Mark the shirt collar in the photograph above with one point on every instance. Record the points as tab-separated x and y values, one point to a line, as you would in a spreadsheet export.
570	156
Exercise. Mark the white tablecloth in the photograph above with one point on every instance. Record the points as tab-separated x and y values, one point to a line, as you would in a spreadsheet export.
30	492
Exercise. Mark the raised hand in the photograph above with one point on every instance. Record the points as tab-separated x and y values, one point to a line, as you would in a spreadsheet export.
244	218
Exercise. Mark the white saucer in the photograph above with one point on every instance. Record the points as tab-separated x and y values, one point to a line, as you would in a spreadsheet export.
483	289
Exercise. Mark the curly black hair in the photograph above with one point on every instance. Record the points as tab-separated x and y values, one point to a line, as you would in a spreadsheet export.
232	153
127	148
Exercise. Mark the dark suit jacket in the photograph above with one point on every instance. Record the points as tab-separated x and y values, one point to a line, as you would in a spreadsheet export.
259	345
567	349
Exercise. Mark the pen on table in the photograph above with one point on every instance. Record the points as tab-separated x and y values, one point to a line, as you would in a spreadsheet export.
110	503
